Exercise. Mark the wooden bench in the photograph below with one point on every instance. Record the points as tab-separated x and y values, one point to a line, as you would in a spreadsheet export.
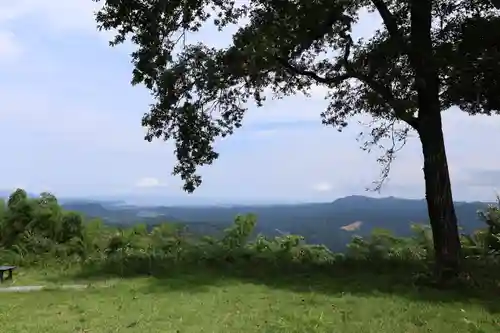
4	269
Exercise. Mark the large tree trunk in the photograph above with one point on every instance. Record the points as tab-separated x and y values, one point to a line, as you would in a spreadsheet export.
439	198
437	178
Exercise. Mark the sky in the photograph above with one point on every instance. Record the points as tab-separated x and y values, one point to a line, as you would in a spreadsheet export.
70	123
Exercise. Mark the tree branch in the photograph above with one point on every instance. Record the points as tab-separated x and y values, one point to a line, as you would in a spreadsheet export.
386	94
381	89
329	80
391	24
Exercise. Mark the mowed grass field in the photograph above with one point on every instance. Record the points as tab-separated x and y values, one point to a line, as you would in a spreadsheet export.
206	301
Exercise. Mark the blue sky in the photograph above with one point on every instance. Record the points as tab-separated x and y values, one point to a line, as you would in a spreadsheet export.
70	124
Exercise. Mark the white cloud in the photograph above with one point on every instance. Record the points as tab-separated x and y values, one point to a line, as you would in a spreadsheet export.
149	182
323	187
9	47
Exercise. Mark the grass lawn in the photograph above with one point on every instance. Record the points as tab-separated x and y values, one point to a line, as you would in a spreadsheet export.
206	301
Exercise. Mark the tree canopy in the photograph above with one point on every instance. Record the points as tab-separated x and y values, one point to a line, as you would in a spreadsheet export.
288	46
37	224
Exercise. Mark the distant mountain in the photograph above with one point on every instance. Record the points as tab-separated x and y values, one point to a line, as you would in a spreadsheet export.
332	224
77	201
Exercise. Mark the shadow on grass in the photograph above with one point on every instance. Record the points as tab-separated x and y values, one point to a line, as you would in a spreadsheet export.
349	277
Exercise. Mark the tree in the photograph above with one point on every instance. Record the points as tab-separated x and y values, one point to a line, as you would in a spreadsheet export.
46	218
18	216
71	226
427	57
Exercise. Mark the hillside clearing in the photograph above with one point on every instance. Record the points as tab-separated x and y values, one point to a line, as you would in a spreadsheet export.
196	302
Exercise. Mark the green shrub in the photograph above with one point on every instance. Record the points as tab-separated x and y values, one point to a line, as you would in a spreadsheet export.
491	239
38	232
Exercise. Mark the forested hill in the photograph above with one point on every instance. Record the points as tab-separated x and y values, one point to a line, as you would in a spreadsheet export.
318	222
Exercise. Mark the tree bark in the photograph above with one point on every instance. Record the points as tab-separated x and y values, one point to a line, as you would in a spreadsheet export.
438	193
439	199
